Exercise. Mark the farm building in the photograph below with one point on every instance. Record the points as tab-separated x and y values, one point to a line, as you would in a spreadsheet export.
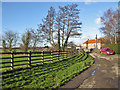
94	43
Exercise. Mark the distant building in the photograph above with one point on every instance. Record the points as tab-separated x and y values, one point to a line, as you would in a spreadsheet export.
78	47
92	44
69	47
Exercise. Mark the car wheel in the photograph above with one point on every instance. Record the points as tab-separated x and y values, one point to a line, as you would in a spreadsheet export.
106	53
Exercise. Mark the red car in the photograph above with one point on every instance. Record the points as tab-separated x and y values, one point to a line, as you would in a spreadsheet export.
107	51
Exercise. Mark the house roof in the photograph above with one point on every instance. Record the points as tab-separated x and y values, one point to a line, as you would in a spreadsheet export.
92	41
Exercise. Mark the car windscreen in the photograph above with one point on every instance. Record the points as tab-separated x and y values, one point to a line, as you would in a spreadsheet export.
108	49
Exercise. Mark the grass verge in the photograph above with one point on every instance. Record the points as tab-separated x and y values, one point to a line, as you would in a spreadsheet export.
98	52
47	75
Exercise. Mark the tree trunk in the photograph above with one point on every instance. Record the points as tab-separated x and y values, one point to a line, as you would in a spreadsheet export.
51	43
68	34
115	38
111	41
59	39
59	36
63	36
34	45
10	45
65	44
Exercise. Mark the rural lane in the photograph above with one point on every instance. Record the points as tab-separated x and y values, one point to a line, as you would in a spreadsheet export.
102	74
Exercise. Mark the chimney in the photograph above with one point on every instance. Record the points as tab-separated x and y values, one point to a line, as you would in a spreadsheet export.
87	44
96	41
96	36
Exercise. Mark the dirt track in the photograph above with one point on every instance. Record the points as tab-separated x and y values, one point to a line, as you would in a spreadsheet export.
103	74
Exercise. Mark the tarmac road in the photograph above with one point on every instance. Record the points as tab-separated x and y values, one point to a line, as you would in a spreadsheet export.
102	74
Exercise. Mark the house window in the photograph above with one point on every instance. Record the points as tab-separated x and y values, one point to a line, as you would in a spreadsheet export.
98	43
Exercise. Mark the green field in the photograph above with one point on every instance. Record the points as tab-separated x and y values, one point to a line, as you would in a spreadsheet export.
38	57
16	50
50	75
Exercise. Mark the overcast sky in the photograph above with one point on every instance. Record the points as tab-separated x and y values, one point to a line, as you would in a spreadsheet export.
17	16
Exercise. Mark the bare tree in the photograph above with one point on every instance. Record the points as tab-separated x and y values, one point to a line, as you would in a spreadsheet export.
66	23
118	22
110	25
26	38
58	27
36	38
10	38
71	22
71	44
47	27
4	45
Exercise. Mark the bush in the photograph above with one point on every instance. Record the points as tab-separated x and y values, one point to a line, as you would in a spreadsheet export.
46	47
114	47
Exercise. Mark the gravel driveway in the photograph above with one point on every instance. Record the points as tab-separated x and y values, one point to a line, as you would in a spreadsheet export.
102	74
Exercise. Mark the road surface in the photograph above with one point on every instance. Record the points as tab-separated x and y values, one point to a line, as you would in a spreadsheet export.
102	74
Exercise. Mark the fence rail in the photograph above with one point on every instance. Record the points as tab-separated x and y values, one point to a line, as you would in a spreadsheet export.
30	57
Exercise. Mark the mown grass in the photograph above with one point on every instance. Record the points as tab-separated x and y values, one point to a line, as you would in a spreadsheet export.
50	75
109	55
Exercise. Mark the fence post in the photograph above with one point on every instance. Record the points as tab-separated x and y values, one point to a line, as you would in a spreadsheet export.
12	60
51	56
72	53
66	54
29	58
63	55
43	57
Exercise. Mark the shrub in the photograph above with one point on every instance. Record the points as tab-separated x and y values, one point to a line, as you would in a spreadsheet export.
46	47
96	50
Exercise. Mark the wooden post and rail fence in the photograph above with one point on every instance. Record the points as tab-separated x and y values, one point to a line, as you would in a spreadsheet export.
51	54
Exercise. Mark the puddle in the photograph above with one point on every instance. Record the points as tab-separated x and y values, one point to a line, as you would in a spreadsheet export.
93	73
106	80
